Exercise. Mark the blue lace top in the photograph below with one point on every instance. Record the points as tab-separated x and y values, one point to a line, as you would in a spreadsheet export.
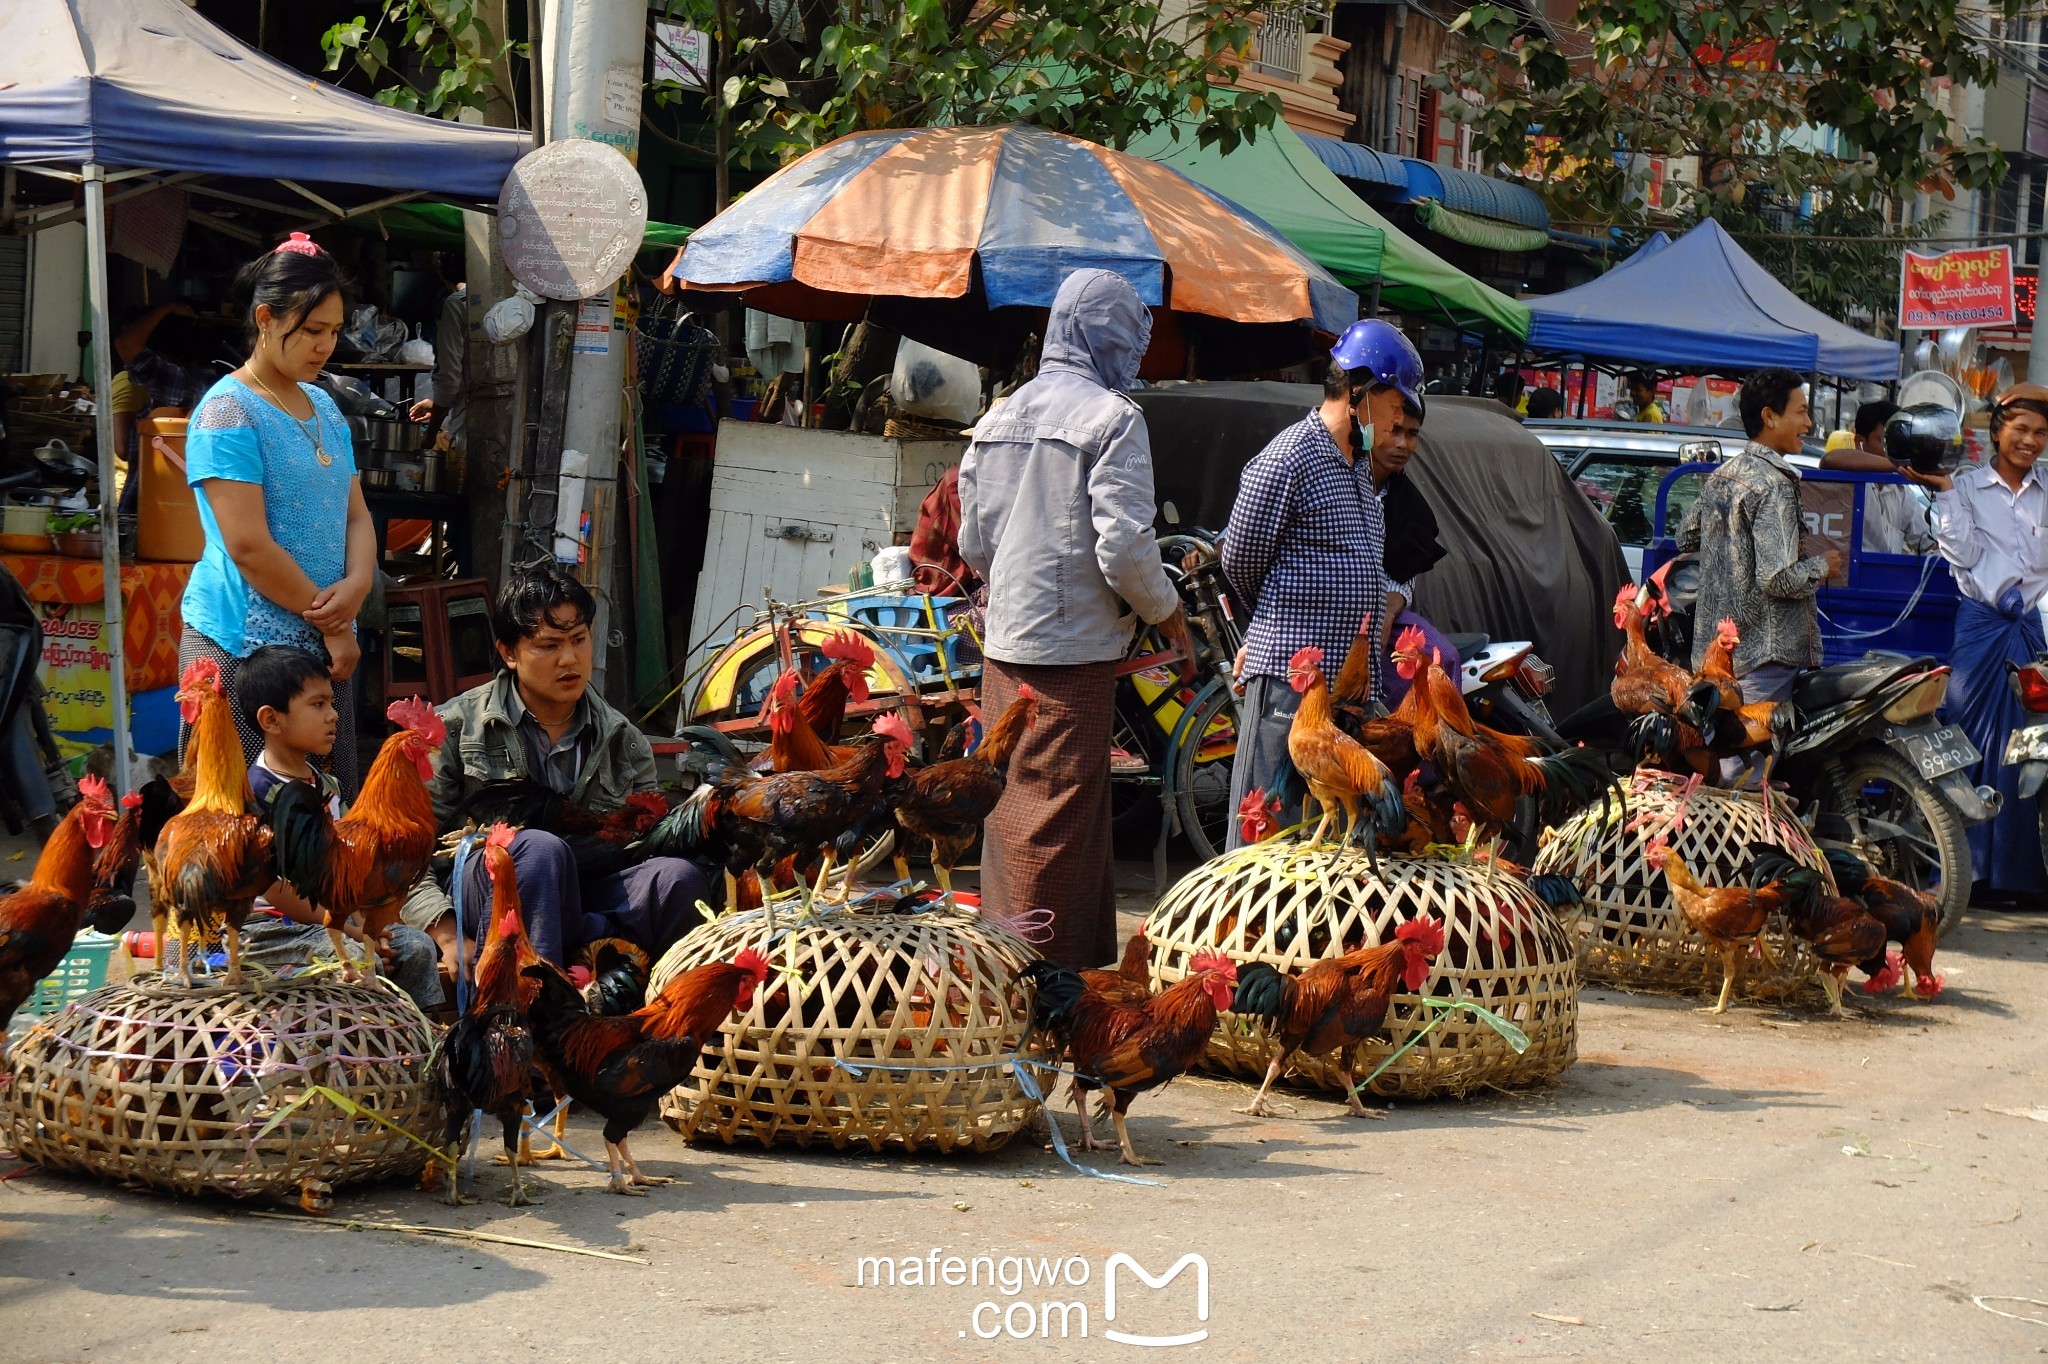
239	435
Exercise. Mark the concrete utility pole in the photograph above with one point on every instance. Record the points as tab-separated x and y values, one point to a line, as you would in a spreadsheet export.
593	61
2037	345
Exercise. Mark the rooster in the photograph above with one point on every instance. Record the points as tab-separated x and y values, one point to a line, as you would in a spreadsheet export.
1726	726
743	820
1838	929
1653	689
1733	917
39	921
367	861
803	732
1487	771
619	972
620	1067
1336	1004
487	1058
1123	1048
1338	770
1911	918
945	804
599	842
132	845
1131	981
214	856
1258	817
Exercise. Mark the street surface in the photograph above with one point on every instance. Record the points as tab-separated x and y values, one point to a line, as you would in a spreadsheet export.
1764	1185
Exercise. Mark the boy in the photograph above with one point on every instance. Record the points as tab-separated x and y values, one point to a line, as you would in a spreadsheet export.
287	694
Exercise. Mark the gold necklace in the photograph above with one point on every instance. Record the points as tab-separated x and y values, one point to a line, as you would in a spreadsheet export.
312	428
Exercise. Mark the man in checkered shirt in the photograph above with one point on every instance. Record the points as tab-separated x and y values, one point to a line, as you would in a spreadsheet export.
1305	547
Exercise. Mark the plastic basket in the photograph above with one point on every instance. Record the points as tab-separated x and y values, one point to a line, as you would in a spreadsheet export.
83	970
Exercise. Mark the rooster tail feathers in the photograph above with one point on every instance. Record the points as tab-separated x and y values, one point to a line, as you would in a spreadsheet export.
1261	992
1851	872
685	829
1653	735
1056	992
302	836
1700	704
710	755
1390	811
1559	892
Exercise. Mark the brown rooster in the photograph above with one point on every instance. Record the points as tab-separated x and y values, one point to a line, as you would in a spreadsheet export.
1653	689
1336	1004
214	856
1339	770
367	861
1911	918
945	804
487	1058
1131	981
619	1067
1840	932
1127	1049
1746	730
1733	917
39	921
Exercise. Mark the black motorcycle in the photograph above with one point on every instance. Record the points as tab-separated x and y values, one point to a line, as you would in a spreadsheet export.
1869	765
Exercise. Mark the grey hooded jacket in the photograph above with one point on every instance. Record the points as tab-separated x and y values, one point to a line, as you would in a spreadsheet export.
1056	490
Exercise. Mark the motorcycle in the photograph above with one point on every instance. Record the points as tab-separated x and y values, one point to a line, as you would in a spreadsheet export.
2027	748
1870	765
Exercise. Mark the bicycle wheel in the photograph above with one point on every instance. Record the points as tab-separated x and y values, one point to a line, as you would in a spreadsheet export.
1202	763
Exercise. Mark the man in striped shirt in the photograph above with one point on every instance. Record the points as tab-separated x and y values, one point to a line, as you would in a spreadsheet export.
1305	547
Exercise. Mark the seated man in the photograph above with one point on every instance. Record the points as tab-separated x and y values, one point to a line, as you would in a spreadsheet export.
539	719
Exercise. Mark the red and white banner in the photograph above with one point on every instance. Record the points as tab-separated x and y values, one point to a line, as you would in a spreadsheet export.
1970	288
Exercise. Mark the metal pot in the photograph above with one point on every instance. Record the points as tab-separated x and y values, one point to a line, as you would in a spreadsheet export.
394	435
376	479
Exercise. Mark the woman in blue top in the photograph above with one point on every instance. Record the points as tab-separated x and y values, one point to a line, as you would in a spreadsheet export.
290	551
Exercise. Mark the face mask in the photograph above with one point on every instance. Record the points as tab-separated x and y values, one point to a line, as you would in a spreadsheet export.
1361	432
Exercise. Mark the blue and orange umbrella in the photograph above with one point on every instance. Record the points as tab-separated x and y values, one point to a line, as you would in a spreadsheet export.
959	237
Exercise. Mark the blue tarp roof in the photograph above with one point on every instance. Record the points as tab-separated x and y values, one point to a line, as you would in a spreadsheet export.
1356	161
150	84
1412	179
1705	306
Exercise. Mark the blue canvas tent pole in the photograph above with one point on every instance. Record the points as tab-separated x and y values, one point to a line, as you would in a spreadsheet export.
114	632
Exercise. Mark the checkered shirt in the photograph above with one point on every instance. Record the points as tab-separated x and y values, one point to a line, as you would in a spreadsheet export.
1305	549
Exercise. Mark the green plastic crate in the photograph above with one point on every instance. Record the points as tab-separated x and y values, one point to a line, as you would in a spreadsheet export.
81	972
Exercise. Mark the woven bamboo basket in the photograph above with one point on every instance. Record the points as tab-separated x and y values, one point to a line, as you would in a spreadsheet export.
174	1088
1504	949
1631	934
874	1029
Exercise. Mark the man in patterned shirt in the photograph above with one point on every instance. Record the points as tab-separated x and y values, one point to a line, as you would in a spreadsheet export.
1305	547
1756	566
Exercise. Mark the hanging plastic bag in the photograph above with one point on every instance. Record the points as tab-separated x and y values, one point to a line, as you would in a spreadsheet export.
931	383
510	318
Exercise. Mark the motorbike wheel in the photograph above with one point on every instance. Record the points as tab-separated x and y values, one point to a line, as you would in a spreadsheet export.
1928	853
1202	773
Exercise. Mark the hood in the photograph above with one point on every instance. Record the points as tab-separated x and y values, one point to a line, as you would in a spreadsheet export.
1098	328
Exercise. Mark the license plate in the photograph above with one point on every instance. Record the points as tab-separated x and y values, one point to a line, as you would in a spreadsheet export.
1939	752
2029	744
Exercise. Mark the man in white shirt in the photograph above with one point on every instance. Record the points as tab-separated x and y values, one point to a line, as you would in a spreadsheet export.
1895	516
1987	521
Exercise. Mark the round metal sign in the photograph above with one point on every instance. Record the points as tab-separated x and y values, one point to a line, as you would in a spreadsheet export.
570	217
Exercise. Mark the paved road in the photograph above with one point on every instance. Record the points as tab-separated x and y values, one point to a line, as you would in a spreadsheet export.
1768	1185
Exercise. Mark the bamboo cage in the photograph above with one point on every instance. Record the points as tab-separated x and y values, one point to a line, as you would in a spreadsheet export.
181	1089
873	1029
1504	949
1631	934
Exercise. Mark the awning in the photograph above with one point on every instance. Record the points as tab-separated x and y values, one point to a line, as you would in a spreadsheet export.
439	226
1356	161
1287	185
1468	192
1481	232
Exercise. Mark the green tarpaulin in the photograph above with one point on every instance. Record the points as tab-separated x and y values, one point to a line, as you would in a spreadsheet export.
439	226
1282	181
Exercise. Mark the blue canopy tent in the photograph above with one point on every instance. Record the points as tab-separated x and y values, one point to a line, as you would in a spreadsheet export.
1707	306
142	94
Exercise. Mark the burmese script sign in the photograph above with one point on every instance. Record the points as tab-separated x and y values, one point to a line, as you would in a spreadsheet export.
1970	288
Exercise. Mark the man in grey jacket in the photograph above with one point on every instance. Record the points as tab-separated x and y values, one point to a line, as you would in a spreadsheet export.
1056	514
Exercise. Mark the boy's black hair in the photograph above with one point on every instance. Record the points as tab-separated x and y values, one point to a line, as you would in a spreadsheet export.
532	595
1871	415
1767	390
1545	403
274	676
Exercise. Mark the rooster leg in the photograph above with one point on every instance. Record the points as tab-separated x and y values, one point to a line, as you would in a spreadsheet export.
554	1149
901	862
1352	1104
1123	1138
1086	1141
732	888
617	1184
1731	969
945	875
635	1181
1831	983
341	952
157	916
1257	1107
824	875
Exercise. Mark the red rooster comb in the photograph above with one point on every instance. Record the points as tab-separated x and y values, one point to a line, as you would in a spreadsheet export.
95	791
418	716
1425	935
890	726
1207	960
1730	636
501	836
132	801
1411	641
1027	692
1309	657
200	671
753	963
784	687
1894	967
849	646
